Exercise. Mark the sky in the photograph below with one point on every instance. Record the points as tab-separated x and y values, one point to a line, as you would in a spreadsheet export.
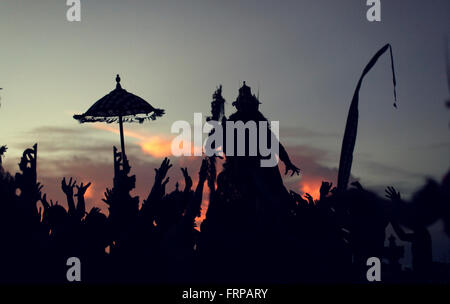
304	58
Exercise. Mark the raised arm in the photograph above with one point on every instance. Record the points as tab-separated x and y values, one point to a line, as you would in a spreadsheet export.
395	197
325	189
158	188
187	180
194	208
81	204
67	188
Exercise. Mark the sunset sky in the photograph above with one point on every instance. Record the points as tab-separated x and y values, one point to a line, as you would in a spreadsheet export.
304	56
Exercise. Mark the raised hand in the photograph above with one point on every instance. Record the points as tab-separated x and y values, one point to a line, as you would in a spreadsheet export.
82	189
95	210
309	198
67	188
187	180
291	167
392	194
108	196
162	171
298	198
325	189
44	201
81	206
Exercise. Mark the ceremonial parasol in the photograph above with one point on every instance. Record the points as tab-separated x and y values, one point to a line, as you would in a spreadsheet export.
120	106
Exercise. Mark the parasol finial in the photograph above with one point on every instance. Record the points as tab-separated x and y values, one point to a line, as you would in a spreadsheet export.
118	86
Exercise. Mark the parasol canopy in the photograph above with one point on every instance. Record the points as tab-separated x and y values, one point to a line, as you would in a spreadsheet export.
119	106
120	103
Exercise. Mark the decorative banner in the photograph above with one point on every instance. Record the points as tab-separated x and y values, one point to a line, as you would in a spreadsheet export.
348	143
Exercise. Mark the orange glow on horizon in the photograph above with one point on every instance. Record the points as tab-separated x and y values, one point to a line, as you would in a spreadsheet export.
90	191
156	146
311	187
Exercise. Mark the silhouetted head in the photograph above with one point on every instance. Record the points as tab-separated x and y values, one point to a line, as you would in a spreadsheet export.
246	102
56	216
95	219
170	210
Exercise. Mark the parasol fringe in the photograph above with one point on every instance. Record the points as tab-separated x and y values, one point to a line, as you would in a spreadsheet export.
348	143
127	118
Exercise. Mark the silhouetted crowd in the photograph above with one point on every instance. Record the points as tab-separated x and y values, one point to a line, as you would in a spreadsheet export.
255	231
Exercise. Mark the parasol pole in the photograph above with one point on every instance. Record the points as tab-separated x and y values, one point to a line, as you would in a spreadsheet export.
122	141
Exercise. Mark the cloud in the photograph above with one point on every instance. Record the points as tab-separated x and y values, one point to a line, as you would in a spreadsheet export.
154	145
378	168
304	132
86	155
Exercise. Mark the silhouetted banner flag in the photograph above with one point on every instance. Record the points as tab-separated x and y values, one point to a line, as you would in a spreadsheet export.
348	143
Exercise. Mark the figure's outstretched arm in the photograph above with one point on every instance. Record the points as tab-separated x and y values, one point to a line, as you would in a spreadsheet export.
287	162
